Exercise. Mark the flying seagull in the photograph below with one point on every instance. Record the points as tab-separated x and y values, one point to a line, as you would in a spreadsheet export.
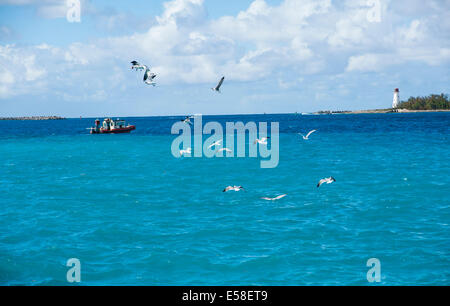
137	66
217	143
307	136
187	151
274	199
233	188
217	88
262	141
187	120
328	180
224	149
149	76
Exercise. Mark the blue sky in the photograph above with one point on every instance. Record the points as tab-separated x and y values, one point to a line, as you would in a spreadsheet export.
277	55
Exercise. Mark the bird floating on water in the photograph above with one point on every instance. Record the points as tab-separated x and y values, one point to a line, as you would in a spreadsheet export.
217	88
307	136
262	141
233	188
274	199
328	180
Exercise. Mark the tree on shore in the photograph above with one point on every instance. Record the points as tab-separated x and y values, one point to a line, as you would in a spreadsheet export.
431	102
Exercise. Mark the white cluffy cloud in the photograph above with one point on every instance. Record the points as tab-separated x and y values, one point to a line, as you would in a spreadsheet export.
18	67
50	9
288	41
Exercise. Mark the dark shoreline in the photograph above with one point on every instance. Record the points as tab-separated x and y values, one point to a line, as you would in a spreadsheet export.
381	111
37	118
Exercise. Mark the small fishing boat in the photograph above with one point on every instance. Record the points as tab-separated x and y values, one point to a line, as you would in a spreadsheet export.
111	126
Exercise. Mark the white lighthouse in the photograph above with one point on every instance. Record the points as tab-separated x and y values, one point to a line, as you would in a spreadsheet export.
396	101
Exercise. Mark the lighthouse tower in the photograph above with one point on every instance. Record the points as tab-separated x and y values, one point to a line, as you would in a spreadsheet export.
396	101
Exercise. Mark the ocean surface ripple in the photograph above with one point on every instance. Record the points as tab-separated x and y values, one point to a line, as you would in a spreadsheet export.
135	215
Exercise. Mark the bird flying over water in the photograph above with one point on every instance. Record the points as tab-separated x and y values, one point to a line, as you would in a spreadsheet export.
187	151
137	66
307	136
217	143
224	149
274	199
328	180
233	188
217	88
187	120
149	76
262	141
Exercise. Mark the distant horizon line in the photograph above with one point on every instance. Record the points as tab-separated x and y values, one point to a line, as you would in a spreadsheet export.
145	116
181	115
321	112
373	111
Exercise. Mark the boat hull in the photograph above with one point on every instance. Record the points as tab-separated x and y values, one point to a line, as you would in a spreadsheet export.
124	130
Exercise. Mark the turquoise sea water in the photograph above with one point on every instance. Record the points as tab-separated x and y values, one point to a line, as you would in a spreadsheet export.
133	214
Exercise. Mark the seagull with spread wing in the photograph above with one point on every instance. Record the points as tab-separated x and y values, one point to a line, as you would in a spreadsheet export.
184	152
307	136
224	149
217	88
137	66
274	199
187	120
262	141
149	76
328	180
216	144
233	188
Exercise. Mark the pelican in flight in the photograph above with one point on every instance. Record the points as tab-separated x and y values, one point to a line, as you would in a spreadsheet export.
187	151
149	76
216	144
307	136
328	180
262	141
217	88
233	188
274	199
137	66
